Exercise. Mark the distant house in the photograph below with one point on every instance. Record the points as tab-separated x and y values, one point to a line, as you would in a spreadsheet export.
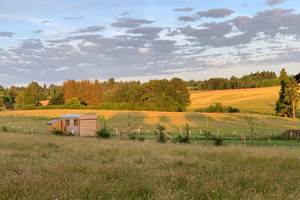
77	124
43	103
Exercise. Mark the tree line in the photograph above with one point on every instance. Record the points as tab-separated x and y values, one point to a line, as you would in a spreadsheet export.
253	80
157	95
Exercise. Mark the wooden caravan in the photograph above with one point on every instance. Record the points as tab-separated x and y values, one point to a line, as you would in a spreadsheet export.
76	124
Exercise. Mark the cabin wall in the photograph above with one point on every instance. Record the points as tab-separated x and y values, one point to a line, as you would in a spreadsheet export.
88	125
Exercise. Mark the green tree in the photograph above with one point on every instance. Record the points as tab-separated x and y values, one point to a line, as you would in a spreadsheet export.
292	97
74	102
282	106
57	99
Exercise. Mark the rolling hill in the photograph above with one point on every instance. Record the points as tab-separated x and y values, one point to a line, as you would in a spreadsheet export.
254	100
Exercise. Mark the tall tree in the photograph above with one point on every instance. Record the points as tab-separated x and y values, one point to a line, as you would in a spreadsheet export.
282	106
293	96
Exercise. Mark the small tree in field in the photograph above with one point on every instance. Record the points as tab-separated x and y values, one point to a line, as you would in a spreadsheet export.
186	137
160	132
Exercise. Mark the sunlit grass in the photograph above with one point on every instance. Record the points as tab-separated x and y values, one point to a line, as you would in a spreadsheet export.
49	167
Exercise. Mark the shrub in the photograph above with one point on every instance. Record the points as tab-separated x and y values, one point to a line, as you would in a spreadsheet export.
73	103
4	129
57	132
141	138
160	132
184	138
219	141
132	136
104	133
218	108
232	110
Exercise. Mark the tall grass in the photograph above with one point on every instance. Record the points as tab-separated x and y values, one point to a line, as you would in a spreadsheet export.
49	167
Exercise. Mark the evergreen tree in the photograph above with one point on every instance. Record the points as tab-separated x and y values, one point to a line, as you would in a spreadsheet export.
292	97
282	106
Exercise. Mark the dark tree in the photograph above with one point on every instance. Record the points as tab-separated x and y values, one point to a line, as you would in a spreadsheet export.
297	77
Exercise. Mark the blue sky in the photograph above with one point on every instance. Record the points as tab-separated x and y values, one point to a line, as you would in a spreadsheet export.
51	41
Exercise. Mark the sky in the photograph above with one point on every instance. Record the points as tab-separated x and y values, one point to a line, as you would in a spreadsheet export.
51	41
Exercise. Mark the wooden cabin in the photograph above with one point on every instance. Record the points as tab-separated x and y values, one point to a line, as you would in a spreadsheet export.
76	124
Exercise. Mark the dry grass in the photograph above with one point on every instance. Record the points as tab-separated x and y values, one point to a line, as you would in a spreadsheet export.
257	100
49	167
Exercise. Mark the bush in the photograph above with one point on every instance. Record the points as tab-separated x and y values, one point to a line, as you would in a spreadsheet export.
73	103
182	139
219	108
219	141
104	133
160	132
141	138
4	129
58	132
232	110
132	136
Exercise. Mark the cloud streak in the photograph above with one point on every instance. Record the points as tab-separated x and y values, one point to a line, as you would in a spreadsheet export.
7	34
274	2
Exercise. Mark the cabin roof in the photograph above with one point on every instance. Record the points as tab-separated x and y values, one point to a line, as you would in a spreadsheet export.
53	121
70	116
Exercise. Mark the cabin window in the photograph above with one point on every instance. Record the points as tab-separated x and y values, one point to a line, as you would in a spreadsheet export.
76	122
67	122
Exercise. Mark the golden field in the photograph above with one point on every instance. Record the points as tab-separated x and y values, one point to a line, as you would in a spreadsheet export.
254	100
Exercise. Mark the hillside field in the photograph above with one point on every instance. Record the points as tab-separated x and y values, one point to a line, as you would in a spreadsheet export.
52	167
224	123
254	100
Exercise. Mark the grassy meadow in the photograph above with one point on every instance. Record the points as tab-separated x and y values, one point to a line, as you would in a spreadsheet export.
123	121
38	165
51	167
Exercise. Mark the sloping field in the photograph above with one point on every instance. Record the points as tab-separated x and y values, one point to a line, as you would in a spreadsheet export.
256	100
224	123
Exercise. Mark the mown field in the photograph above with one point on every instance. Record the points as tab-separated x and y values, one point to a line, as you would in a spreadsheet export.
125	121
52	167
256	100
